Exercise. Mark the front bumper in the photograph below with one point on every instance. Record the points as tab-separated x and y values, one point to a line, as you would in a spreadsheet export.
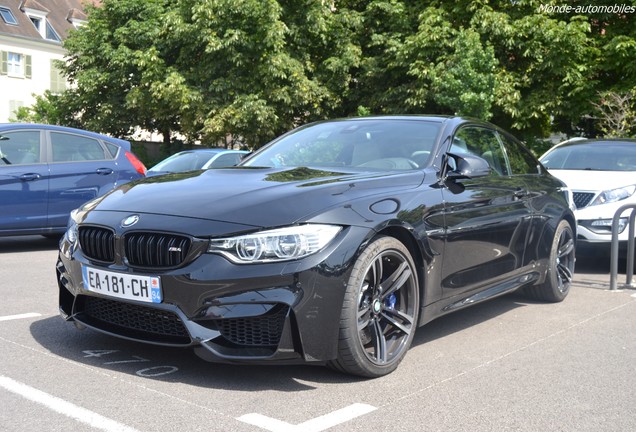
277	312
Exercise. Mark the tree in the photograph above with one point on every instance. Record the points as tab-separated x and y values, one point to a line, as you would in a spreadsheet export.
259	67
616	114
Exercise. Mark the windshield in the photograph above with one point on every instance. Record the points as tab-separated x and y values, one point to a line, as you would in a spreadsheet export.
185	161
369	144
594	156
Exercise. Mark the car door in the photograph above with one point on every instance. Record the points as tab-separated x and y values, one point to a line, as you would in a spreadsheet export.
24	178
526	167
81	168
486	218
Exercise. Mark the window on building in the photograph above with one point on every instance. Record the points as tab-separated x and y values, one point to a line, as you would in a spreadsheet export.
51	34
37	22
44	27
7	16
14	105
78	23
15	64
58	82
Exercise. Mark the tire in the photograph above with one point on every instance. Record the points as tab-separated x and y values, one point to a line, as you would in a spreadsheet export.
560	267
379	312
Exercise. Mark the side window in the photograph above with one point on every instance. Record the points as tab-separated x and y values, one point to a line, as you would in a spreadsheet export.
521	160
112	149
20	148
73	148
484	143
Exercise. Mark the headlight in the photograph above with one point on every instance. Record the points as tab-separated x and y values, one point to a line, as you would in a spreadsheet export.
614	195
71	228
275	245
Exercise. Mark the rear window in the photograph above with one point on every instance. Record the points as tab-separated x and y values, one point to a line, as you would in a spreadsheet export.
596	156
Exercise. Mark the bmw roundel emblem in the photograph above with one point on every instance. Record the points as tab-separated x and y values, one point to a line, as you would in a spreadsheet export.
130	221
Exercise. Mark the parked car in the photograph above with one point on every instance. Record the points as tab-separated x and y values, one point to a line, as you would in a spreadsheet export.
602	176
47	171
329	245
189	160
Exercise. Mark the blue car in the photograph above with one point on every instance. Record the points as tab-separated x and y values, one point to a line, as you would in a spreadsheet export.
191	160
46	171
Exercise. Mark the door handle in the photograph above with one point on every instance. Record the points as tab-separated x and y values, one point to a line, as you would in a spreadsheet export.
30	176
104	171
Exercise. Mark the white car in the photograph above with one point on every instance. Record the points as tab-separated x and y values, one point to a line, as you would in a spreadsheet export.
190	160
601	175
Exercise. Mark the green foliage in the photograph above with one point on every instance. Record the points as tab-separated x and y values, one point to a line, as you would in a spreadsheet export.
464	80
49	108
616	113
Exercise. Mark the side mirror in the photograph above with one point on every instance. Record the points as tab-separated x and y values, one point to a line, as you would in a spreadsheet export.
464	166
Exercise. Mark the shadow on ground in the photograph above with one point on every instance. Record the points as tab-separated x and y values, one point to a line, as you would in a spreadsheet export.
91	348
28	244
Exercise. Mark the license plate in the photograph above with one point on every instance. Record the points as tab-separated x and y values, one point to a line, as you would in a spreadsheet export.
122	285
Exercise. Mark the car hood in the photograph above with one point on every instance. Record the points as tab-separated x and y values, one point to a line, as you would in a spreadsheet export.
589	180
259	197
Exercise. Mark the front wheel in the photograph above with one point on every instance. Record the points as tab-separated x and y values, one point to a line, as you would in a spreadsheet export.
380	309
560	267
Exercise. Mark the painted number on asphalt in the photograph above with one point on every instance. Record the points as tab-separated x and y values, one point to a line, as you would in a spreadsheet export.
153	371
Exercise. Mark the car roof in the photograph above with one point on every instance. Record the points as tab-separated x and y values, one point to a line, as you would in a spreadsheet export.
595	141
18	126
583	142
425	117
449	120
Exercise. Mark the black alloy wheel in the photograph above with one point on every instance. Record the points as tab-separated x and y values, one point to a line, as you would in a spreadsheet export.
380	310
560	267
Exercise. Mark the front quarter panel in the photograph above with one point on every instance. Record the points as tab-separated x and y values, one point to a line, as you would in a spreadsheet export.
550	205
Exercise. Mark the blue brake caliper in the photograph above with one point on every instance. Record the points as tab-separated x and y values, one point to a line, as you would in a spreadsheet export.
389	302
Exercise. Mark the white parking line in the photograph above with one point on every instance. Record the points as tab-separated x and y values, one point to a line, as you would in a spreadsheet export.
20	316
63	407
317	424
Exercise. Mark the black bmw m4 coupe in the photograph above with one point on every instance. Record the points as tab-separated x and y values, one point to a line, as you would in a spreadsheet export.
330	245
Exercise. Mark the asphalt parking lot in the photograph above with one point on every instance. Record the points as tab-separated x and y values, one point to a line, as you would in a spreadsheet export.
509	364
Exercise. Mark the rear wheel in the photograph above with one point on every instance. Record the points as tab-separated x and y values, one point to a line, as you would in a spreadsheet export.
560	267
380	310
